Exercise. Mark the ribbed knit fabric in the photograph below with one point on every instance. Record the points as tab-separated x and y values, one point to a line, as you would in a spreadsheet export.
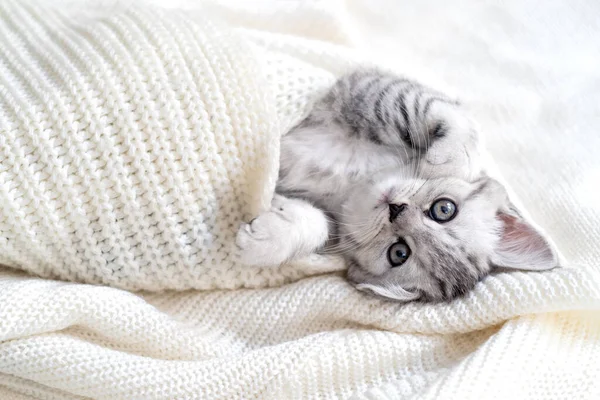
134	143
316	338
133	139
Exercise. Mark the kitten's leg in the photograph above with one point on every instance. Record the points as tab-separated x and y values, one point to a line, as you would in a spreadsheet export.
291	228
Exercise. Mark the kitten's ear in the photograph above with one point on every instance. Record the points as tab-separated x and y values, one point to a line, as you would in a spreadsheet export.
521	246
395	292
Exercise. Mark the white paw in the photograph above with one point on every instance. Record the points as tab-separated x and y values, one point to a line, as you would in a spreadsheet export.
263	242
291	228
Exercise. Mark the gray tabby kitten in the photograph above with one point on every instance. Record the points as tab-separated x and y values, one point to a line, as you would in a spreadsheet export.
384	171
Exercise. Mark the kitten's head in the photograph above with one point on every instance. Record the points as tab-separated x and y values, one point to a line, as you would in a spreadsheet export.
413	239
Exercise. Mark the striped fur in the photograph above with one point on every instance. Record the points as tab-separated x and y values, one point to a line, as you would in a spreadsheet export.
369	121
372	140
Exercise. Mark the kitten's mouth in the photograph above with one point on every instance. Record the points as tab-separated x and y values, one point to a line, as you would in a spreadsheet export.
371	233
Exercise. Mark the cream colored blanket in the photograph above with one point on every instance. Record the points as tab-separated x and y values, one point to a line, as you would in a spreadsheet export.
135	136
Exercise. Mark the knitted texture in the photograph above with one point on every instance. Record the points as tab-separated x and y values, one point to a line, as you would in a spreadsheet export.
134	143
122	92
316	338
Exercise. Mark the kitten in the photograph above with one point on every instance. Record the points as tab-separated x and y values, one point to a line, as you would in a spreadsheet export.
385	172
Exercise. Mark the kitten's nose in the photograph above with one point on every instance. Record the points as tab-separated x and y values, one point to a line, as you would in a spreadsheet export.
395	210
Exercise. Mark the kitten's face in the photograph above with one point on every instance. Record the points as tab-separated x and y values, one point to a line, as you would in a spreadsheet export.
433	240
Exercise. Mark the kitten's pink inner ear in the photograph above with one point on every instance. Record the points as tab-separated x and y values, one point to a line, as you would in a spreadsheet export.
515	230
522	247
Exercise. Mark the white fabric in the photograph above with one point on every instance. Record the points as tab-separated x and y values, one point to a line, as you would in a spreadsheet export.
134	143
317	337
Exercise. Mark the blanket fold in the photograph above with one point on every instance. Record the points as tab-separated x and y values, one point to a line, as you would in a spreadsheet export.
134	137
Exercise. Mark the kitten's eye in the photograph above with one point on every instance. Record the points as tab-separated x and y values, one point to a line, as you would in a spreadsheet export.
398	253
442	210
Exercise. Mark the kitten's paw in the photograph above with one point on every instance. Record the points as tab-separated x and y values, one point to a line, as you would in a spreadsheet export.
262	242
279	202
291	228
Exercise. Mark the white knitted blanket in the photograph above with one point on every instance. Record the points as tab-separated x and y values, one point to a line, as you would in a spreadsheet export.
134	138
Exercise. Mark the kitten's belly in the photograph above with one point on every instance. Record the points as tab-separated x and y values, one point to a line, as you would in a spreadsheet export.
322	169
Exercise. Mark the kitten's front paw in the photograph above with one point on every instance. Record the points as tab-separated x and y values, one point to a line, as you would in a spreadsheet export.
262	242
279	202
291	228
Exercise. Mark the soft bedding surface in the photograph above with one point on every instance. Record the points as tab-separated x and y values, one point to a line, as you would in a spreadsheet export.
530	77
